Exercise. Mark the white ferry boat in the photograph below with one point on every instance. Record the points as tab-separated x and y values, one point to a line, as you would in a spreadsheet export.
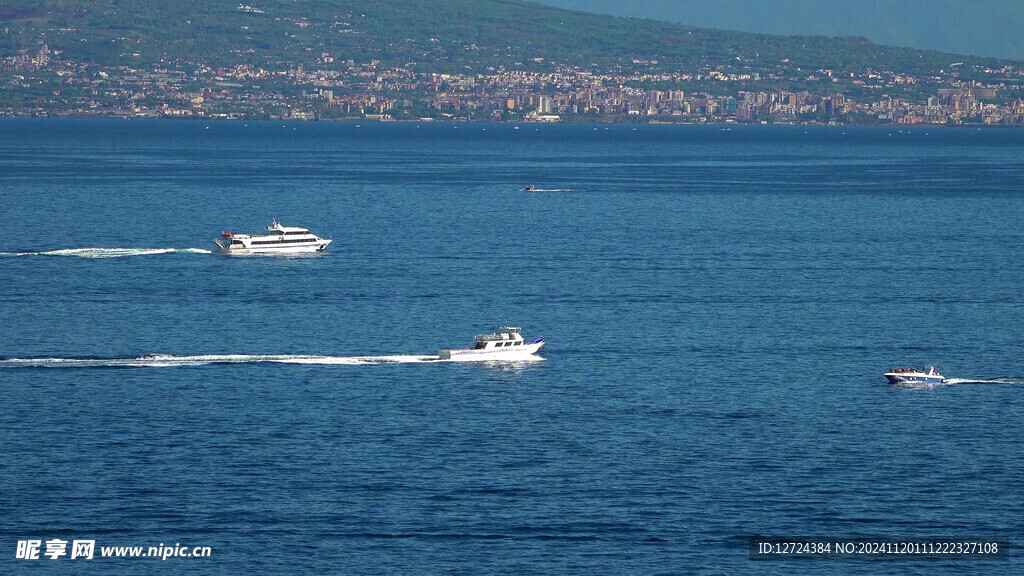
281	239
927	375
504	345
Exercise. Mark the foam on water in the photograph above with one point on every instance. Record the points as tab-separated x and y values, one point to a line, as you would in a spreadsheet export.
953	381
108	252
170	361
957	382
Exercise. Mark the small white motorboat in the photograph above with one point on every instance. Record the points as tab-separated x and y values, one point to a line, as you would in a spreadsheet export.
927	375
507	344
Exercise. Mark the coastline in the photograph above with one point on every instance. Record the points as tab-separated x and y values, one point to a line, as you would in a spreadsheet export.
608	121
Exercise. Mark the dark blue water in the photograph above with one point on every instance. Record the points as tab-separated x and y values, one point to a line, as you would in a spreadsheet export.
719	307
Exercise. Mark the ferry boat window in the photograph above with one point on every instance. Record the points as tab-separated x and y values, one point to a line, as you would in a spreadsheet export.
519	343
481	345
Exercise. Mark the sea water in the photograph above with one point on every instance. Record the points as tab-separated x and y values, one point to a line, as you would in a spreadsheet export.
719	305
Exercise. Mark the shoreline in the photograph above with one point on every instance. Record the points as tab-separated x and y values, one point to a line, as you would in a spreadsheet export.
516	122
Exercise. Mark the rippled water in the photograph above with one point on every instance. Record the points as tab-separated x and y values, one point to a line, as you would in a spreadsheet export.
719	306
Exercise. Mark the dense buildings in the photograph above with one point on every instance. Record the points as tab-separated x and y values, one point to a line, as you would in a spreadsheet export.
42	83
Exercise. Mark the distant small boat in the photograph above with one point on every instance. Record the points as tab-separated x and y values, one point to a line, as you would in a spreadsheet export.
532	188
506	344
927	375
281	239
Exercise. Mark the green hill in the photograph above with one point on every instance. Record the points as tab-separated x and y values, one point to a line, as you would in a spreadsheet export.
422	35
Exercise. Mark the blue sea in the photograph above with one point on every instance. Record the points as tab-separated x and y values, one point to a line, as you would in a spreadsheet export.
719	305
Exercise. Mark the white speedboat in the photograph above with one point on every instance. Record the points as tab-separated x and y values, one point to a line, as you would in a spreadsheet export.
504	345
280	239
927	375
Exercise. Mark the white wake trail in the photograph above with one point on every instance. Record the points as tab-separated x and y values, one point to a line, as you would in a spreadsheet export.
957	382
950	381
108	252
168	360
171	361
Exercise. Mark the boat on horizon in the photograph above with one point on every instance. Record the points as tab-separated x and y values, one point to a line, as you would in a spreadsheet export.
280	240
507	344
927	375
532	188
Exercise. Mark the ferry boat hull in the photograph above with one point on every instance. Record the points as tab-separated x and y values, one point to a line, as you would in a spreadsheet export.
282	248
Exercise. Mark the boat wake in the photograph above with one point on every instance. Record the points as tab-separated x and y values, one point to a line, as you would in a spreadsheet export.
954	381
171	361
109	252
958	382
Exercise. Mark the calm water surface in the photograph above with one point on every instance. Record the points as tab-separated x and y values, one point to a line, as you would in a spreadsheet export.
719	306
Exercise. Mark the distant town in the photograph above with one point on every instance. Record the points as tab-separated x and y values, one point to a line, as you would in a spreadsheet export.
41	83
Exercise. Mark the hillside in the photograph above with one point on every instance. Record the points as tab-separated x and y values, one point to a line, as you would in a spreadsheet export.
422	35
490	60
982	27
